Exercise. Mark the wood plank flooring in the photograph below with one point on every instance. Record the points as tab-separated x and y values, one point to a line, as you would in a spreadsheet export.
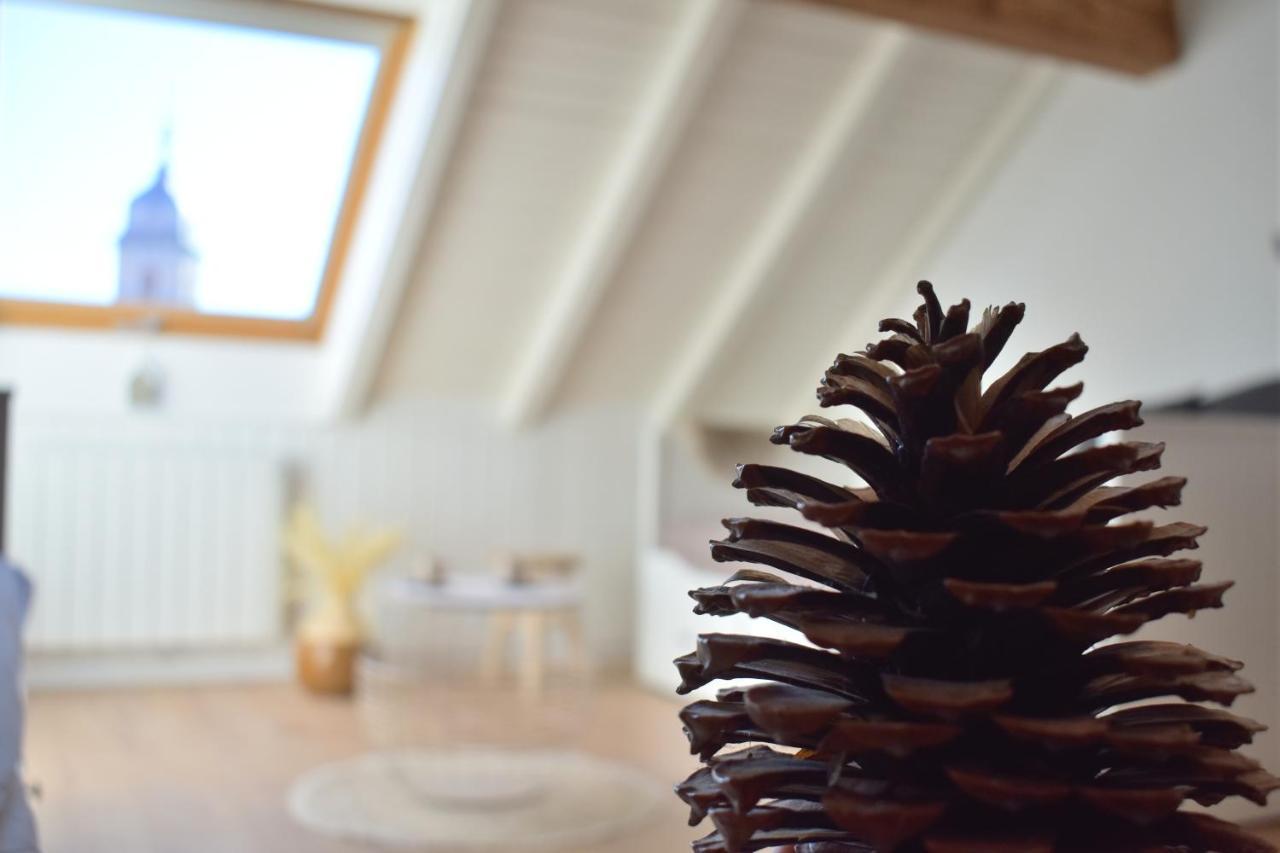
205	770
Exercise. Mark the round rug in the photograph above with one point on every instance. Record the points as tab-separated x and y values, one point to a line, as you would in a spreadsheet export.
474	799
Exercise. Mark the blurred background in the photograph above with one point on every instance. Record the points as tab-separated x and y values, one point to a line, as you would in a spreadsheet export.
377	370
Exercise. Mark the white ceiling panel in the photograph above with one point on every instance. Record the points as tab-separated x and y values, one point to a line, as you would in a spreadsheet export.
773	85
925	123
548	109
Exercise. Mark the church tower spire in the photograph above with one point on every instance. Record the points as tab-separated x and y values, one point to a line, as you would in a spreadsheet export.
157	264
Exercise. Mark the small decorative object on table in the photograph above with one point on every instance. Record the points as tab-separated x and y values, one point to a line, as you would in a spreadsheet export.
427	569
328	638
958	700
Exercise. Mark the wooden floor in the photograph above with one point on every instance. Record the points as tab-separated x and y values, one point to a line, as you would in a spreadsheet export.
205	770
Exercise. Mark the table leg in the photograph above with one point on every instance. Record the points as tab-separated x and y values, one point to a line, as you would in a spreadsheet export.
533	629
501	624
571	626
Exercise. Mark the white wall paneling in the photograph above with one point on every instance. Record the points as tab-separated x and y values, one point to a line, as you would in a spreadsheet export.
143	537
145	533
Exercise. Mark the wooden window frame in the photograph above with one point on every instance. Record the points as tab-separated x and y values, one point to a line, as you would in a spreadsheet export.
391	34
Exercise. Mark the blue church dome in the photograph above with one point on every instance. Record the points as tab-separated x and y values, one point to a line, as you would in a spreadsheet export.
154	218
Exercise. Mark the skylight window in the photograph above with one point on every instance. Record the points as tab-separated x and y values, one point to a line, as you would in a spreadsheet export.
189	161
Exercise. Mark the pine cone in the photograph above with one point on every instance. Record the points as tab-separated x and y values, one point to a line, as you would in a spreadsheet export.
953	696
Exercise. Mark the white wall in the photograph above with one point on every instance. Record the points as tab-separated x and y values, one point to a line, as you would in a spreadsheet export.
1141	212
71	373
1233	470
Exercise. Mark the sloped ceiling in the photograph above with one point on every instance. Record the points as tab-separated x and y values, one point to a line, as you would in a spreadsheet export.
548	108
821	149
768	95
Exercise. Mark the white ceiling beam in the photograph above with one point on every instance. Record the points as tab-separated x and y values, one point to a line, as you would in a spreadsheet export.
451	37
666	106
765	249
957	195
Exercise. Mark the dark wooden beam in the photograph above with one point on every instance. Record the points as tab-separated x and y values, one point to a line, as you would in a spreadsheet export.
1134	36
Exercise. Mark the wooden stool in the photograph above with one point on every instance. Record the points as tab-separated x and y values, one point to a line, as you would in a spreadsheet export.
543	573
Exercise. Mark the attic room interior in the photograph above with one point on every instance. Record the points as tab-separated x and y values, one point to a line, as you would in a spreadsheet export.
473	425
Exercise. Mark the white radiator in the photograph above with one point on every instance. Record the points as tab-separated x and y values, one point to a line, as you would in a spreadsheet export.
143	535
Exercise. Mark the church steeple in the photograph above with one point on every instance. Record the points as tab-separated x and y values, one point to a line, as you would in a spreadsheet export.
157	264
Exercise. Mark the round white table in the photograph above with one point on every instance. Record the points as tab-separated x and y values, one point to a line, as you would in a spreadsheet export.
531	610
